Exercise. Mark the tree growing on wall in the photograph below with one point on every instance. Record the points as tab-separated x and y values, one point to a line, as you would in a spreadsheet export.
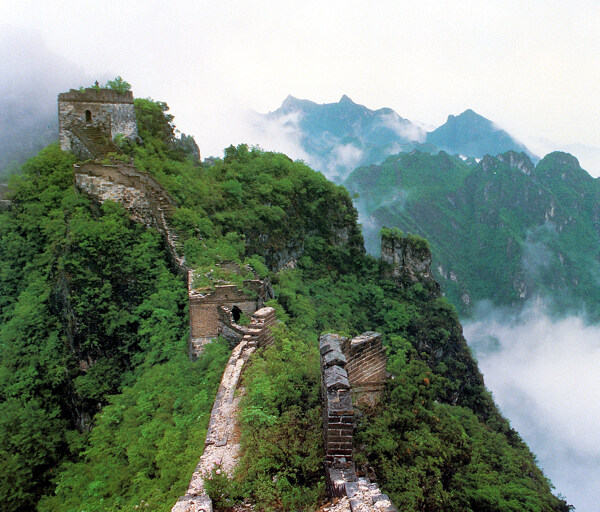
118	84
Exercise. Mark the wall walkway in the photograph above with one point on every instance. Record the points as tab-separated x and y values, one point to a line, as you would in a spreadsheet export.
221	448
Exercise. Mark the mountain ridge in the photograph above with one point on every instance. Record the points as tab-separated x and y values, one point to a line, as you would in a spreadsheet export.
503	230
328	131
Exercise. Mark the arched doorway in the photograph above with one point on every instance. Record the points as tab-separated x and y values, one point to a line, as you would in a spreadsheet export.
88	116
236	313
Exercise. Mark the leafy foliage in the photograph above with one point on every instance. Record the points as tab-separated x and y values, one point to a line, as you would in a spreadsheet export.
145	443
92	321
281	467
87	298
118	84
504	229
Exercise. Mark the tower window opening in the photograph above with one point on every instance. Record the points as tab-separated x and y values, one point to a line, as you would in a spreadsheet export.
88	116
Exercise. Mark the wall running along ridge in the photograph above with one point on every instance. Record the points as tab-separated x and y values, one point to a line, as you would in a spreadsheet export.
142	196
221	448
337	354
151	205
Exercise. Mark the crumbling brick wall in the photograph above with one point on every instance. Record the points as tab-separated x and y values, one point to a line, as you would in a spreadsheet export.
366	365
257	331
353	370
338	413
205	303
338	354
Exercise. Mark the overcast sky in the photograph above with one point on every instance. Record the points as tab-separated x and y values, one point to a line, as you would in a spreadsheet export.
532	67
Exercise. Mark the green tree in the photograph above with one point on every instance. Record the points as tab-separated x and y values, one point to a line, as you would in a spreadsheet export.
118	84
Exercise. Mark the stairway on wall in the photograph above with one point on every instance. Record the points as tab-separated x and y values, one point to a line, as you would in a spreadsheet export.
145	199
94	141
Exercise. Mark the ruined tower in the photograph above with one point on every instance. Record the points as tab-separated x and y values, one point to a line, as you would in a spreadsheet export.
89	119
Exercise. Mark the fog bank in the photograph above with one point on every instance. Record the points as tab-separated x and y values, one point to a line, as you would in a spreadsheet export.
544	375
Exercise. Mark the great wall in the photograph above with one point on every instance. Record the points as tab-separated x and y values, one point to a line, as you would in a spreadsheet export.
353	370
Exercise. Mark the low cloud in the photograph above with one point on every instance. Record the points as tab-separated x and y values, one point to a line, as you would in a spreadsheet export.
31	76
372	215
403	128
537	254
282	134
343	159
544	375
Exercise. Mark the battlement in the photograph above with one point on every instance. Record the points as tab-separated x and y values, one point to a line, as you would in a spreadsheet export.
93	95
215	311
339	355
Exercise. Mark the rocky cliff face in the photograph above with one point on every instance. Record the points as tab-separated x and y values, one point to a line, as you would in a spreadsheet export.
406	260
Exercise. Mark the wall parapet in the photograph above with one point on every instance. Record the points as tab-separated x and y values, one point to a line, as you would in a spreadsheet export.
338	355
94	95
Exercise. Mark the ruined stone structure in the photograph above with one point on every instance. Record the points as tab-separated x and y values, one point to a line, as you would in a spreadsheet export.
208	319
338	413
150	204
221	448
89	120
366	367
338	354
255	331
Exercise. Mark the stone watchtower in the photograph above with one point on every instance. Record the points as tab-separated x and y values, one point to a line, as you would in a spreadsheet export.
89	119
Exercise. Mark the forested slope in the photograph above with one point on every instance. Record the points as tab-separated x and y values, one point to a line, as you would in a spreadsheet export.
93	321
502	229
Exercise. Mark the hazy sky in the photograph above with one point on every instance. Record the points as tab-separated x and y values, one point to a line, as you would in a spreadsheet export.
532	66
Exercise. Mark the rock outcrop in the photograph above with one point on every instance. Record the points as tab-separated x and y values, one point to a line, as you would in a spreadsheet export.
406	260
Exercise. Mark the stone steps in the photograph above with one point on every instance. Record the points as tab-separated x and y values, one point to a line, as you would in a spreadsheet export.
95	142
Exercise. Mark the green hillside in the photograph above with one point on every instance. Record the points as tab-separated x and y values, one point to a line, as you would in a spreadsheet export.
100	408
503	229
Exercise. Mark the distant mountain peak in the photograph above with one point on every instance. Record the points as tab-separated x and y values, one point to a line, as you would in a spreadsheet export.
474	135
346	99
